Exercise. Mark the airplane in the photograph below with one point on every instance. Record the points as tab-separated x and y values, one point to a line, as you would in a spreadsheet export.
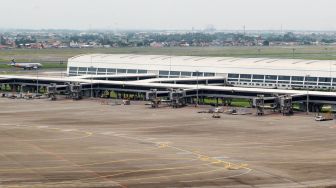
28	66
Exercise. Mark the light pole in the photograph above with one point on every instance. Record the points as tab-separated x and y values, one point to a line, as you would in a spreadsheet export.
331	79
307	101
259	51
37	87
91	76
61	62
197	74
91	68
293	52
170	61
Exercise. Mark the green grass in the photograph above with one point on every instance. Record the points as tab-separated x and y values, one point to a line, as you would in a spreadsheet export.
44	66
51	58
57	55
235	102
54	65
240	103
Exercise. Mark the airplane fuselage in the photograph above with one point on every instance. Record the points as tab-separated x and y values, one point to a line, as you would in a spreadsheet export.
28	66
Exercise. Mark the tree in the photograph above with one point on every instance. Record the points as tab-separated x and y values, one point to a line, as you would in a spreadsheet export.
266	43
2	41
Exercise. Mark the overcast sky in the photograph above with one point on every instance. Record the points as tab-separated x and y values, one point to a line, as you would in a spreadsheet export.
169	14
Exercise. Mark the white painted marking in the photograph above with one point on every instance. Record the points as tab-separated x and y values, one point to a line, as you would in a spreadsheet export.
119	134
43	126
107	133
184	153
19	125
68	130
149	182
150	138
222	157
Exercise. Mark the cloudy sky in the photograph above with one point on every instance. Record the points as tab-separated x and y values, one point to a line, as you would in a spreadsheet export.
169	14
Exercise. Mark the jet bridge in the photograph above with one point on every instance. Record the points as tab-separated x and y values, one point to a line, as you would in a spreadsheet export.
315	98
177	98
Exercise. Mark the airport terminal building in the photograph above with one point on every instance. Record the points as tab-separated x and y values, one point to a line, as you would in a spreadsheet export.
243	72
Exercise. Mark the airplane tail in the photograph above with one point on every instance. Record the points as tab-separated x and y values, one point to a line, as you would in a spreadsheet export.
13	62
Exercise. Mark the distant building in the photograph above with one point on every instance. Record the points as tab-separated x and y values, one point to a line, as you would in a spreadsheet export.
74	44
156	45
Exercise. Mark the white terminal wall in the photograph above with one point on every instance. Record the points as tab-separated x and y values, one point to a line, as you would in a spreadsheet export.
263	66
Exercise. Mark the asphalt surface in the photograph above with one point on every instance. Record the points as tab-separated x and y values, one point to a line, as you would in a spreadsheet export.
89	144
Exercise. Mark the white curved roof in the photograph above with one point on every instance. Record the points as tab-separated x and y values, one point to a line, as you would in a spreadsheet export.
271	66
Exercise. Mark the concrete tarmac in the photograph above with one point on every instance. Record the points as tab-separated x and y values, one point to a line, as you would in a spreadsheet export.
69	143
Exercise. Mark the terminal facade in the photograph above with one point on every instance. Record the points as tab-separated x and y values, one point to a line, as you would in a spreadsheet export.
242	72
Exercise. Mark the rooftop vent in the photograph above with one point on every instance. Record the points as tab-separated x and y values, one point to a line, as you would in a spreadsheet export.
126	56
272	61
168	57
260	60
235	60
311	62
189	58
157	57
296	62
200	59
226	59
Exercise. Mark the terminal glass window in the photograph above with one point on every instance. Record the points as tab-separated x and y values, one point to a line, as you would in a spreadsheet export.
92	69
233	80
284	78
174	73
197	73
299	83
260	77
111	71
311	79
101	70
186	73
245	76
121	71
142	71
283	82
324	79
271	77
82	69
131	71
233	75
165	73
324	84
73	69
297	78
209	74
